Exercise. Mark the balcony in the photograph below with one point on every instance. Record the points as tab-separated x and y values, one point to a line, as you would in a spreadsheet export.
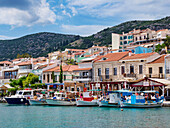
161	75
104	78
24	71
130	75
82	78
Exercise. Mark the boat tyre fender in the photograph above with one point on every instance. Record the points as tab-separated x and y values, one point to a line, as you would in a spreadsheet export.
157	95
90	94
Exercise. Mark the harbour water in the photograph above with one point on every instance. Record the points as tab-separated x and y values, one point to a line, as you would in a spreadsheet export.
82	117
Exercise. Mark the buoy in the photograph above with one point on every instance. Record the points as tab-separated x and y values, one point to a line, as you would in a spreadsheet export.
26	104
121	109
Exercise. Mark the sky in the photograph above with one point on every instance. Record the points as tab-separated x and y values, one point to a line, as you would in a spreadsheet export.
80	17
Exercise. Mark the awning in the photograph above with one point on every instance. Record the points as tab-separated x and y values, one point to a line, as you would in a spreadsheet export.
163	81
149	82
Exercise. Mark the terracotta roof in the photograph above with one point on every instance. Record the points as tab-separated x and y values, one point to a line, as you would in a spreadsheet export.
111	57
88	55
24	63
83	69
5	62
138	56
114	49
162	30
161	59
66	68
43	66
78	53
75	49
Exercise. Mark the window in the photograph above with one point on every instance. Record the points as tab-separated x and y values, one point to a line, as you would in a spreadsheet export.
125	42
48	78
107	73
121	38
160	70
136	38
51	76
140	69
121	43
99	71
85	73
64	77
72	89
115	71
125	37
150	70
131	69
55	78
122	70
44	77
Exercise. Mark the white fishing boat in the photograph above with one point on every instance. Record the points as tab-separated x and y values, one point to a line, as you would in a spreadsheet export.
87	100
38	102
60	99
111	101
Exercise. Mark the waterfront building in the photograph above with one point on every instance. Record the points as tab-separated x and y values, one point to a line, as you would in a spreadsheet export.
133	66
84	72
139	37
106	68
67	73
156	68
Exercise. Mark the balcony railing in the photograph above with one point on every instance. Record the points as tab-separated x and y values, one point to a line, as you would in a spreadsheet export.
105	78
81	77
24	71
129	75
161	75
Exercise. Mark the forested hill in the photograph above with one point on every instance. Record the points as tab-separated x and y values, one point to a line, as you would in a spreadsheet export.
40	44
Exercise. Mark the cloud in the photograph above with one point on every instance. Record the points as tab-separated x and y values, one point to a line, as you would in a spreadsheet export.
26	12
2	37
66	13
83	30
126	9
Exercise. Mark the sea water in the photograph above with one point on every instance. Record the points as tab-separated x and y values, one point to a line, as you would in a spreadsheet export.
82	117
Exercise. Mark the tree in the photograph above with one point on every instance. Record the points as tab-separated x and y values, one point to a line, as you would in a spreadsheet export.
53	77
61	74
31	79
165	44
25	55
159	47
18	83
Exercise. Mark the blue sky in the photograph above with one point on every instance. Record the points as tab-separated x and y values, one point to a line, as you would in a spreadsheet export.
82	17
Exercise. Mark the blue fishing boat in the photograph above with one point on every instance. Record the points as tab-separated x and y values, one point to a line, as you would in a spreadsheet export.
143	99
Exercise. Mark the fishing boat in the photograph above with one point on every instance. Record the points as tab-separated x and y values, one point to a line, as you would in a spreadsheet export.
20	98
37	101
39	97
143	101
60	99
113	99
87	100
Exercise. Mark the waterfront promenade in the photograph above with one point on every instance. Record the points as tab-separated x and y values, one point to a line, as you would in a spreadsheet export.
86	117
